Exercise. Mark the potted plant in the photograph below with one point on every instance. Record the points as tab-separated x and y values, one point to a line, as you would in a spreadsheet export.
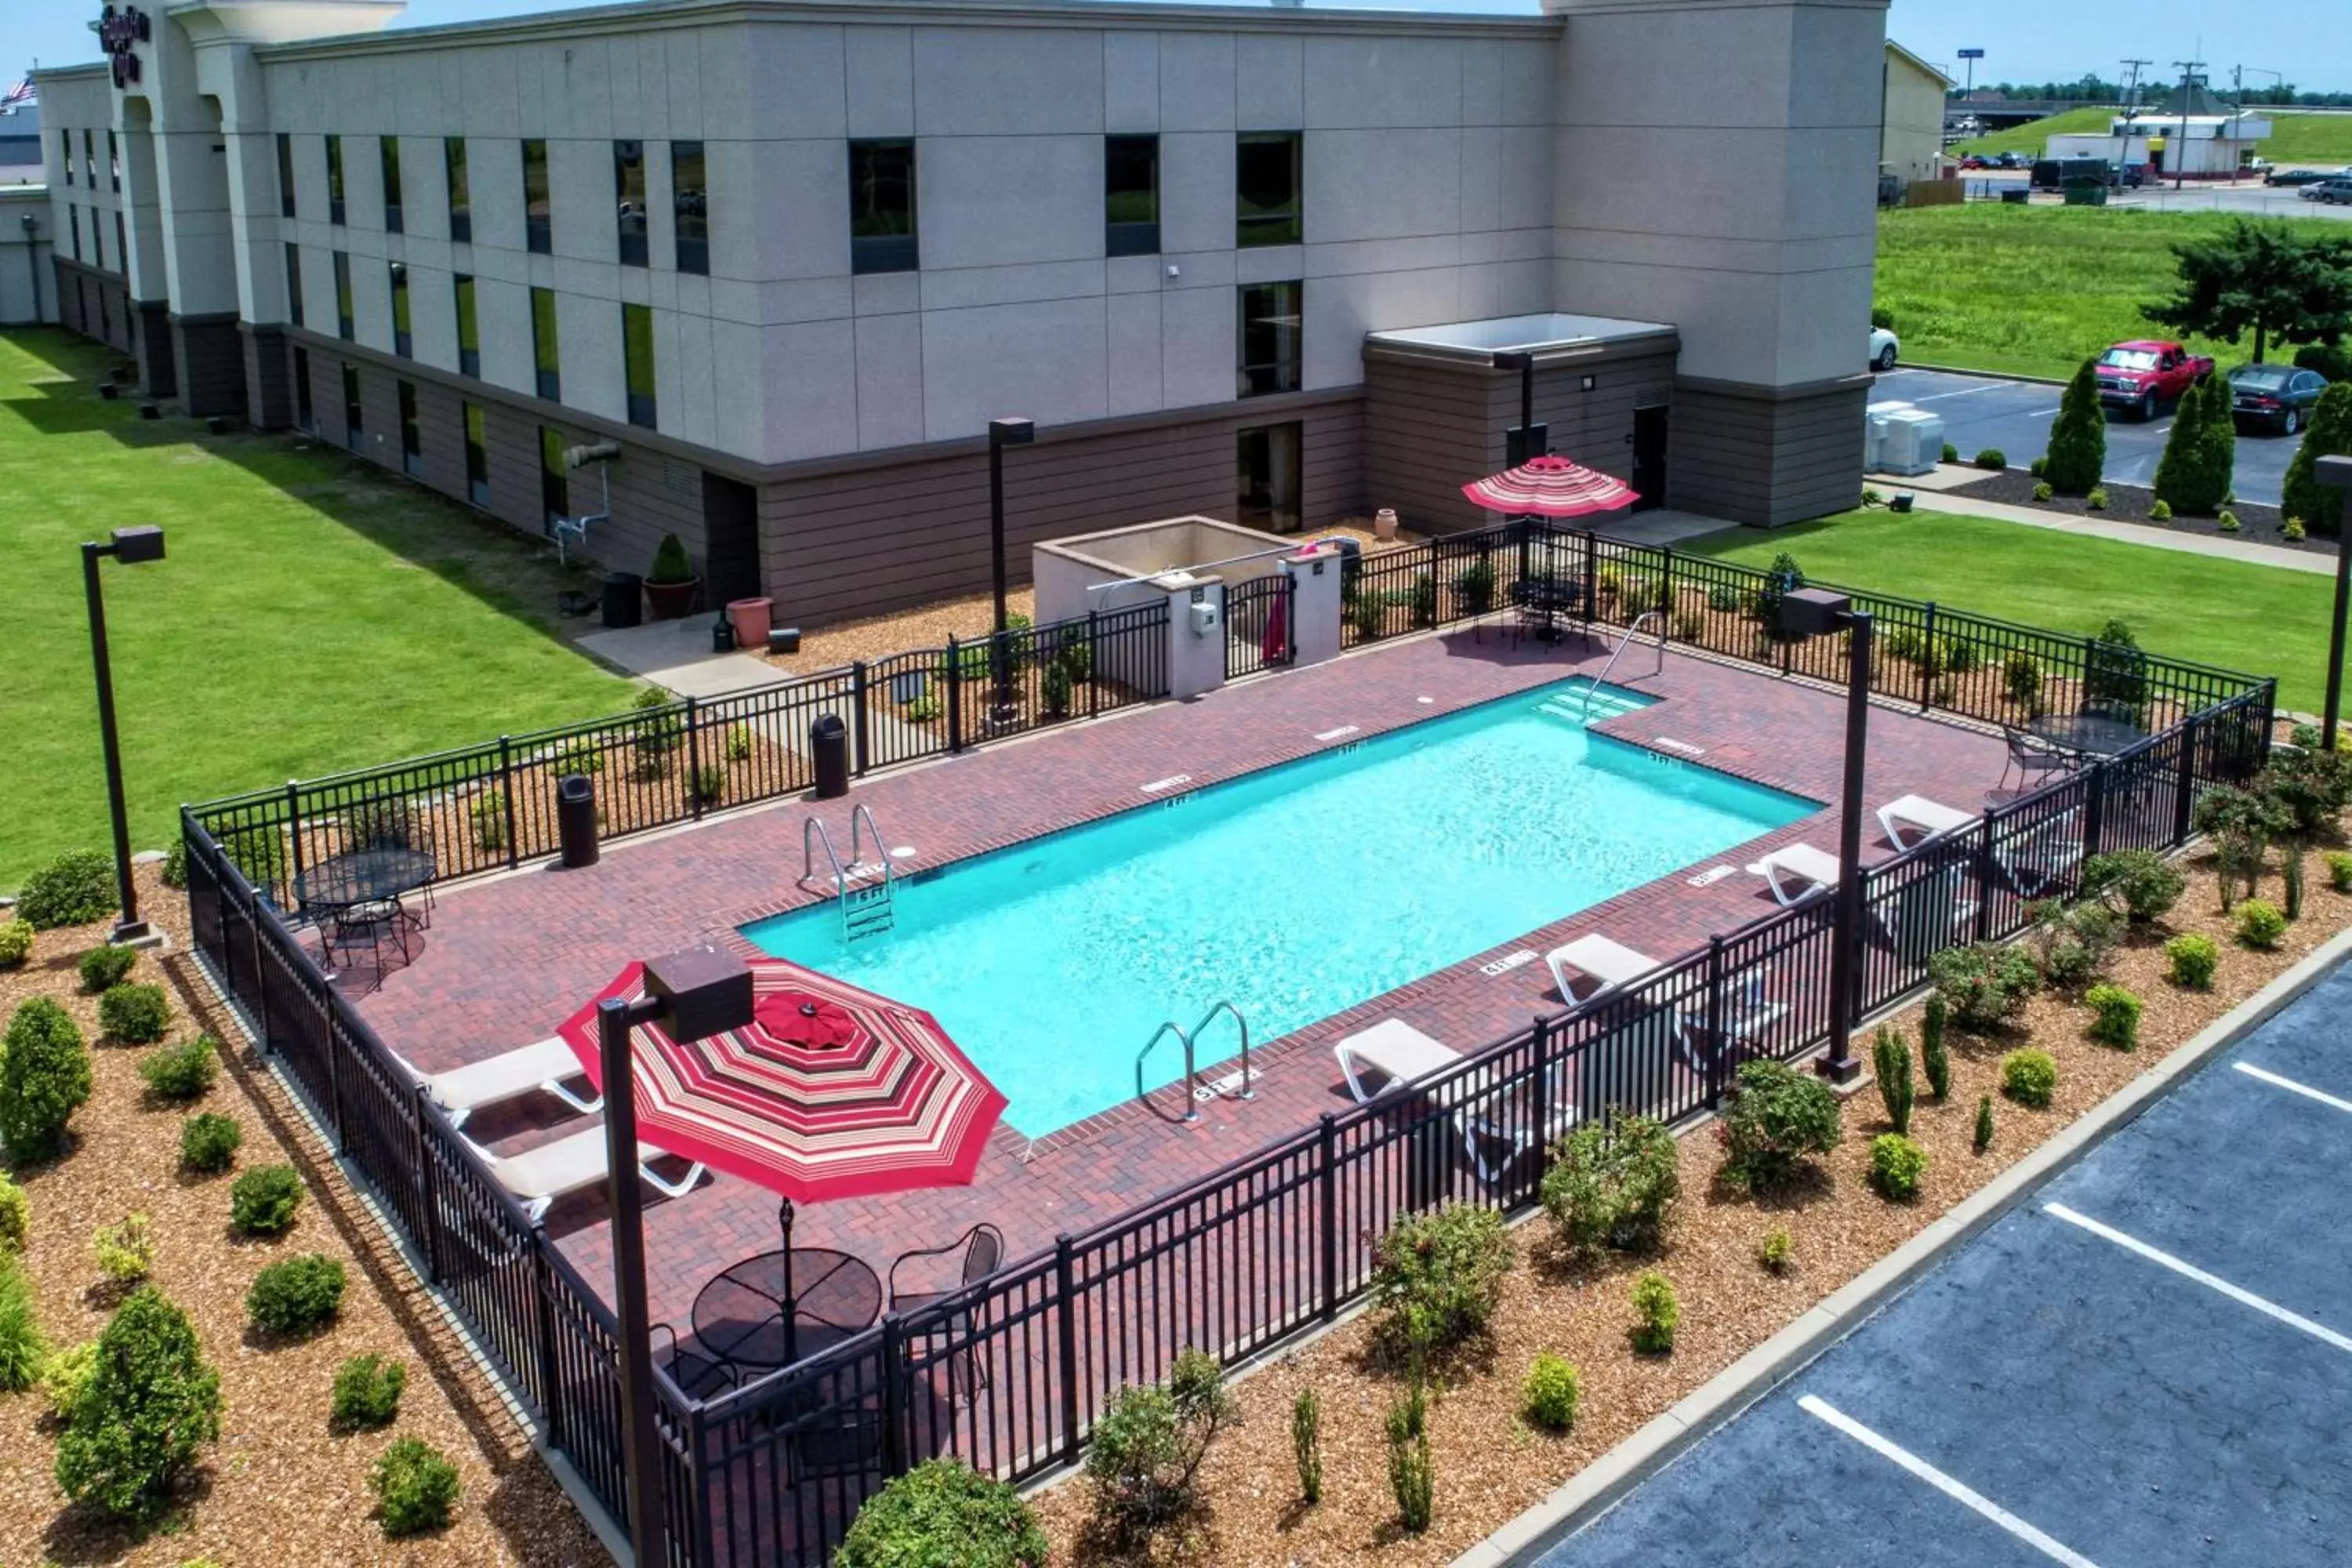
671	585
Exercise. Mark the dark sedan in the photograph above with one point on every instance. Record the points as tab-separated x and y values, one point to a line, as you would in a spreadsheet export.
2274	396
2297	177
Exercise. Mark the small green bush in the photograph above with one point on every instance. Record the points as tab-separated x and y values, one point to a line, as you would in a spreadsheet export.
183	1071
1438	1276
2096	501
380	822
208	1142
1992	457
671	563
2229	521
1413	1476
1890	1058
103	968
1148	1444
2073	944
1776	1250
1657	1312
1307	1444
488	812
1984	984
1933	1054
925	709
22	1349
367	1393
2160	512
2039	467
71	890
711	783
296	1295
2260	923
43	1077
2140	883
1895	1166
2339	869
2029	1078
15	1217
1548	1393
148	1404
1951	453
2116	1020
2192	959
125	1252
2043	491
1778	1115
263	1200
16	942
739	743
173	873
2021	678
1983	1140
134	1015
64	1374
943	1514
2292	530
415	1487
1612	1184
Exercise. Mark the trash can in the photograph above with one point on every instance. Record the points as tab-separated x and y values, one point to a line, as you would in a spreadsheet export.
722	636
2017	196
575	820
829	742
623	600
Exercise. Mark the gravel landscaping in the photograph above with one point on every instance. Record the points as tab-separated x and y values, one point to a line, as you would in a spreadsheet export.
2130	503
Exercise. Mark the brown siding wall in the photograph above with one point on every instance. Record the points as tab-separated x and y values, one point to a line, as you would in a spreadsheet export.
1764	458
211	359
159	372
268	376
81	289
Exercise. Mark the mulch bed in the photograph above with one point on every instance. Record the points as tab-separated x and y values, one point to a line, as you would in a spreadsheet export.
280	1487
1489	1464
2258	524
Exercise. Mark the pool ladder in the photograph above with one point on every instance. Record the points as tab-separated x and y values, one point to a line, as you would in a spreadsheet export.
1192	1070
869	908
1598	681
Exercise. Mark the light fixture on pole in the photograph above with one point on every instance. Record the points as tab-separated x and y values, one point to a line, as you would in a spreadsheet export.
131	546
2335	473
1525	439
692	994
1002	433
1808	611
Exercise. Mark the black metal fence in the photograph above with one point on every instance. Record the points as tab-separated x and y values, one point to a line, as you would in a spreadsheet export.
1010	1373
1260	632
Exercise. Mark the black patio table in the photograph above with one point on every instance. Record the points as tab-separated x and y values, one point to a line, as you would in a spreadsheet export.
2088	734
740	1315
359	876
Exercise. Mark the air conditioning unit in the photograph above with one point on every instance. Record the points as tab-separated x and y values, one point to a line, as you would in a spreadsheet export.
1873	438
1912	442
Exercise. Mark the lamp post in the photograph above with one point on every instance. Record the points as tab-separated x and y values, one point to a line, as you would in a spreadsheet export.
32	263
130	546
1808	611
1002	433
1527	439
2335	473
695	993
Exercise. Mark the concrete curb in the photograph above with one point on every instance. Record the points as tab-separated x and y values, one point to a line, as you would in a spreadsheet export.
1595	1490
1981	374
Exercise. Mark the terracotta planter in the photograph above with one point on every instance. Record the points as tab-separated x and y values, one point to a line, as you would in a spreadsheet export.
1384	524
751	618
671	600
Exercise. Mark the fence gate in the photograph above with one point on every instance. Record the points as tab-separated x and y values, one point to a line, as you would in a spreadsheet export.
1261	633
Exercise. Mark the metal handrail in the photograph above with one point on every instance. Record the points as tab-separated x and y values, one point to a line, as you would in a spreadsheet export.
1242	1024
861	817
808	858
1192	1068
1618	652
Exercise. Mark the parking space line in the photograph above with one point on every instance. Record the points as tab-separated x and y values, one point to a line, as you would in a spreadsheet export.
1965	392
2211	1281
2293	1087
1958	1491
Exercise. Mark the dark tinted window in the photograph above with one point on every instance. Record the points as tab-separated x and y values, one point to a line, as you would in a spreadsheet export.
334	179
547	356
477	457
882	230
691	199
554	480
1130	195
351	419
388	152
412	439
1270	356
461	189
402	342
294	284
343	296
637	361
537	224
470	329
629	200
1265	189
285	175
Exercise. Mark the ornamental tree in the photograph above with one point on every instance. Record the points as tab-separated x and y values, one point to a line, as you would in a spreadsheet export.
2078	438
2328	435
2267	278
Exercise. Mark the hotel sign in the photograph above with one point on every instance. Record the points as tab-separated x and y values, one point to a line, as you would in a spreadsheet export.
118	28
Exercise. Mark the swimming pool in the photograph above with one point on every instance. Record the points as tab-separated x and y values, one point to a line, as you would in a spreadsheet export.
1295	893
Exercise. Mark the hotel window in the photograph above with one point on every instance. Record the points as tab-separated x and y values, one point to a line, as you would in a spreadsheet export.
882	207
477	456
690	201
538	226
461	194
351	419
637	362
90	160
294	284
388	151
1130	195
344	297
121	243
1269	338
65	147
554	480
305	416
285	175
470	329
73	221
1265	189
402	342
97	240
334	179
546	354
629	200
412	439
113	164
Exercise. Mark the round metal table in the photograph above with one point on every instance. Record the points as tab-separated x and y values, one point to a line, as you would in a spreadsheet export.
740	1315
359	877
2087	734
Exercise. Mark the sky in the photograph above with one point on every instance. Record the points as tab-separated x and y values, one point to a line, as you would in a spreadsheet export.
2023	40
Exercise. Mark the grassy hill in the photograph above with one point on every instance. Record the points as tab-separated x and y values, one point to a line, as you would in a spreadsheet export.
2319	139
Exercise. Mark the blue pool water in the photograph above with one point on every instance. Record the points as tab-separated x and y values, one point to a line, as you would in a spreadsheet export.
1296	893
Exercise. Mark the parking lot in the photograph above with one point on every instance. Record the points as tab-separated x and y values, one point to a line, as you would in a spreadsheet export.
1981	411
2148	1362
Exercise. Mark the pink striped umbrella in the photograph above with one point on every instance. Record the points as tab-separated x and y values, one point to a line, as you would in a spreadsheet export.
1550	487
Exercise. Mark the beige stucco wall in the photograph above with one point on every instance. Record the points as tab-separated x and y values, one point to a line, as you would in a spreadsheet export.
1912	142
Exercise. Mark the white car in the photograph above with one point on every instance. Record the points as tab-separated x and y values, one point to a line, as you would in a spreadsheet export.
1883	345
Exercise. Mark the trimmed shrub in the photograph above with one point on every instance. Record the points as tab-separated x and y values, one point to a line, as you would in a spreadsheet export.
43	1077
2073	944
1656	1313
1307	1444
2227	522
2193	958
1778	1115
943	1514
2310	785
2260	923
711	783
367	1393
2139	883
1984	984
1413	1477
1895	1166
415	1487
2161	511
1933	1054
2078	435
1890	1059
1438	1276
1951	453
2098	500
15	1217
2043	491
1776	1250
103	968
1992	457
183	1071
16	942
380	821
296	1295
671	563
1612	1184
22	1349
1983	1140
2329	435
739	743
147	1405
2116	1022
174	873
2115	670
125	1252
2185	479
2292	530
1548	1395
2029	1078
487	814
2038	466
1148	1444
2021	678
209	1143
71	890
2339	869
263	1200
134	1015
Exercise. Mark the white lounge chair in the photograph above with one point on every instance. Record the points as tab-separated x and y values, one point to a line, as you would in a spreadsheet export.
1595	957
1745	1016
1795	872
1926	819
540	1068
1396	1050
537	1177
2040	856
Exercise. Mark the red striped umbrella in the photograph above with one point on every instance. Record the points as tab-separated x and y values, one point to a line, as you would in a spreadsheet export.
1550	487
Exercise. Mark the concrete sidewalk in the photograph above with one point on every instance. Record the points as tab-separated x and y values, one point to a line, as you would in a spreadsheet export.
677	655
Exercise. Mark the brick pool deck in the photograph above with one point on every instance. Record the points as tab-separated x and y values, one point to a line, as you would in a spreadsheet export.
511	956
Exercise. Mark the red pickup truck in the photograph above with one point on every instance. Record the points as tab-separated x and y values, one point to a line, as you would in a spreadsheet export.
2141	375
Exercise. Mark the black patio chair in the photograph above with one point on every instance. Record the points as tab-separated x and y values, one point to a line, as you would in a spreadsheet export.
984	1250
2030	759
699	1376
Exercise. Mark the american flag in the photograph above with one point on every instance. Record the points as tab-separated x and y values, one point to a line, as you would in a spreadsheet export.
23	95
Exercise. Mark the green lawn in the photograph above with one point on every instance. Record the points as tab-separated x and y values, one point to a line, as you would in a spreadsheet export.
314	613
2256	619
2034	291
2320	138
